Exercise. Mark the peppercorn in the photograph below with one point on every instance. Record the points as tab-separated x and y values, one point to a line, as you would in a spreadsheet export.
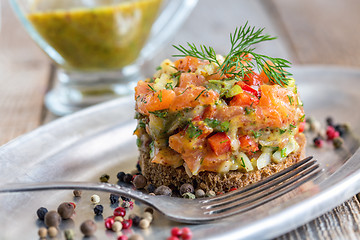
136	220
136	237
65	210
42	232
148	216
88	228
117	226
114	198
149	209
330	121
122	237
52	231
176	232
210	193
98	210
199	193
109	222
189	195
163	190
41	212
128	178
342	129
120	176
95	199
126	199
144	223
77	193
331	133
104	178
119	211
186	188
118	219
151	188
186	234
126	224
139	182
338	142
52	219
69	234
318	142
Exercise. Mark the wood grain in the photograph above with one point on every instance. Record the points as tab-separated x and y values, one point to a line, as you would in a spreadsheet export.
24	74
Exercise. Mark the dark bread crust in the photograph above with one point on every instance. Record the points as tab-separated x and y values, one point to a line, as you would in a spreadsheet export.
174	177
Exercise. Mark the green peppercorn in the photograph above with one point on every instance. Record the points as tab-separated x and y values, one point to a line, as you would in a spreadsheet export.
69	234
338	142
104	178
188	195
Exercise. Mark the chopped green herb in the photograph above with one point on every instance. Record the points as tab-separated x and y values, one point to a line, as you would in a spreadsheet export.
256	134
160	113
193	131
151	88
224	141
158	68
160	96
242	162
249	110
152	149
291	99
291	126
283	152
141	124
282	131
200	94
185	90
169	86
302	118
217	125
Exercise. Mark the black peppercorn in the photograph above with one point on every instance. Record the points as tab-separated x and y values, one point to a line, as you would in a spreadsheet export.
41	212
139	182
329	121
98	210
136	220
126	199
114	198
138	167
128	178
151	188
120	176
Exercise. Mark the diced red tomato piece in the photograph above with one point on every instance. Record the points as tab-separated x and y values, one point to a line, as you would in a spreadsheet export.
209	112
248	144
252	79
220	143
248	89
301	126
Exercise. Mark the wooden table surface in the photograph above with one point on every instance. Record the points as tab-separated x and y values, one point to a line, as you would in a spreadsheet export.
309	32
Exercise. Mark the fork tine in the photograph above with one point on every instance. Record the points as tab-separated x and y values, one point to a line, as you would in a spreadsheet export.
226	199
255	200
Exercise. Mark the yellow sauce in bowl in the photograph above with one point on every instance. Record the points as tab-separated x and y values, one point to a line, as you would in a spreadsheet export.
99	38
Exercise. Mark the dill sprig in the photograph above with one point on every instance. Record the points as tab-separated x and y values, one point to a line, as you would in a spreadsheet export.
238	61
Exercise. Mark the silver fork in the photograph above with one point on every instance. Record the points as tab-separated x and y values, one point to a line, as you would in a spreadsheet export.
198	210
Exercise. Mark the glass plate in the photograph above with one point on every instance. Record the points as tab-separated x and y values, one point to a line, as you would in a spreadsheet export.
98	140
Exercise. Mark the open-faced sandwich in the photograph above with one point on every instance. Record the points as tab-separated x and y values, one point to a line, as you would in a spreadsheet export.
219	122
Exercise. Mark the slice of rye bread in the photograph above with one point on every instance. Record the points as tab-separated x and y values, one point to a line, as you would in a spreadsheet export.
158	174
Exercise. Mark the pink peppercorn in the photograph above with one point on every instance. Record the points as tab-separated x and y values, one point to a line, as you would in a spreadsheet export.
126	224
176	232
331	133
122	237
186	234
120	211
172	238
109	222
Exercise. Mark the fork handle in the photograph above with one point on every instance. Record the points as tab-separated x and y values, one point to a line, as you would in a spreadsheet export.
104	187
